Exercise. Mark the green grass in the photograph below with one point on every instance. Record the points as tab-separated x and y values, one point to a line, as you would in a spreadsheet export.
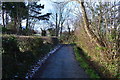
84	64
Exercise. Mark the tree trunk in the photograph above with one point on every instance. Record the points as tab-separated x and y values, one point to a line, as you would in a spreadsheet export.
87	28
61	30
20	27
68	29
15	24
27	22
3	18
20	24
56	25
6	18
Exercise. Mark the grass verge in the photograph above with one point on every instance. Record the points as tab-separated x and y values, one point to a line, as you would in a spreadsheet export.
84	64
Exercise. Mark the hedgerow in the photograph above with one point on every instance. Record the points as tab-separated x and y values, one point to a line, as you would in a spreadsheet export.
20	52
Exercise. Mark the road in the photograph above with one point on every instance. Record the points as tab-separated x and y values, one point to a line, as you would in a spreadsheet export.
61	64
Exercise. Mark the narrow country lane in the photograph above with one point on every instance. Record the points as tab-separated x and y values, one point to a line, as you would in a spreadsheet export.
61	64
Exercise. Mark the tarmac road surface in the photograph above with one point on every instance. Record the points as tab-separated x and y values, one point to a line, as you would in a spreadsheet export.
61	64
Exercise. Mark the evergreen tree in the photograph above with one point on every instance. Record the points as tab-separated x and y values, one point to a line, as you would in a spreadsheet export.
35	13
17	11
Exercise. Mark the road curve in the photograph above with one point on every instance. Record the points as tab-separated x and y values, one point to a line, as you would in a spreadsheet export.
61	64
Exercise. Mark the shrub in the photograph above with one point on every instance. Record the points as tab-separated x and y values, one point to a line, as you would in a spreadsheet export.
20	52
105	59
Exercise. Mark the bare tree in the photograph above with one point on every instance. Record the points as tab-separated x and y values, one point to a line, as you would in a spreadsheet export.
101	23
60	15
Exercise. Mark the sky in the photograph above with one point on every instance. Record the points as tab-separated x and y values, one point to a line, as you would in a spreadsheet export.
47	8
